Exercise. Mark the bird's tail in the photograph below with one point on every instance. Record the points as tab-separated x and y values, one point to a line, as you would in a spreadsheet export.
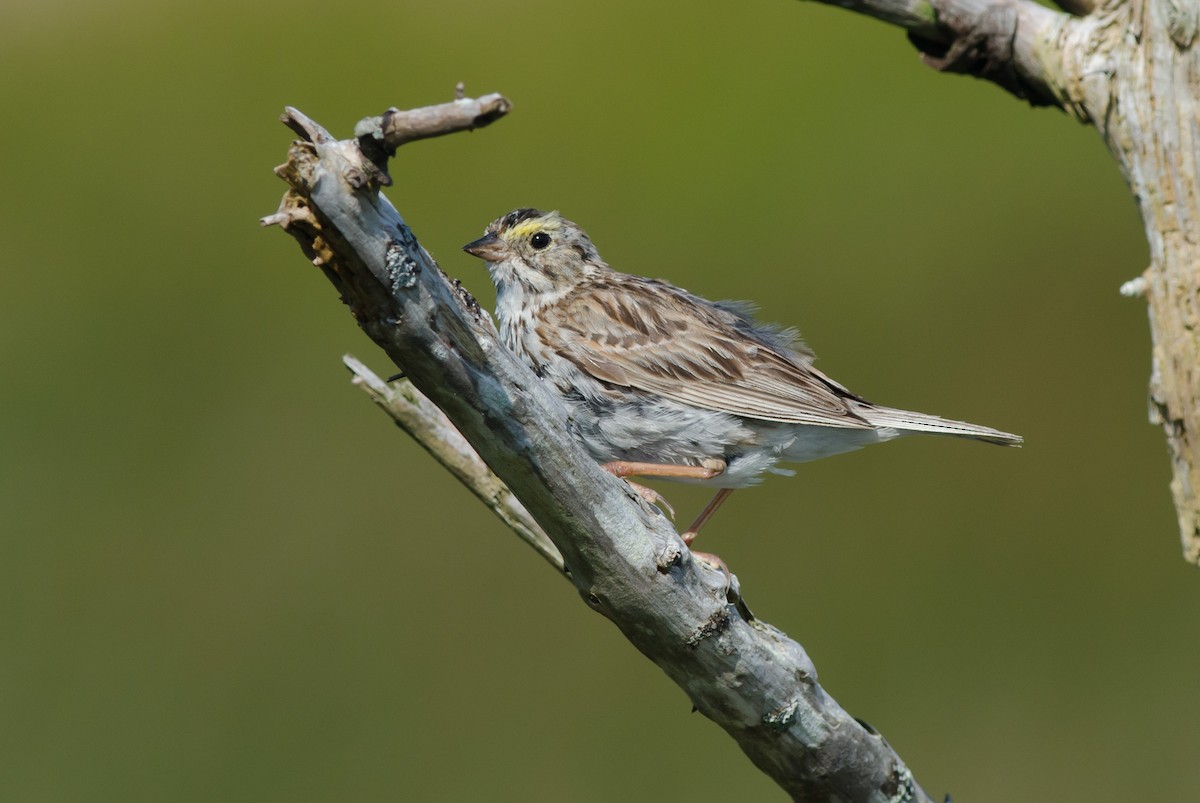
908	421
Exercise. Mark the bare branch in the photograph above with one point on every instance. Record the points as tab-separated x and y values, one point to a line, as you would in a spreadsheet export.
394	127
1128	68
378	137
623	558
915	16
1009	42
429	427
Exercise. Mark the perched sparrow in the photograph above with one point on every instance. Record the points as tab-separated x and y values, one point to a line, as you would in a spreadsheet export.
663	383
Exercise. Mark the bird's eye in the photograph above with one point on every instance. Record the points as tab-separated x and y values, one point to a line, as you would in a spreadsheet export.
540	240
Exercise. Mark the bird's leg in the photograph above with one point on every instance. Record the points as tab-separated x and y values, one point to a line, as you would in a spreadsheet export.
711	468
690	534
627	468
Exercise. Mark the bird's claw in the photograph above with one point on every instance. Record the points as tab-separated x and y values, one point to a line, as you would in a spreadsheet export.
653	497
716	562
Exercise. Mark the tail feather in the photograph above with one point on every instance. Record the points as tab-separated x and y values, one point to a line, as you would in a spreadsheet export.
908	421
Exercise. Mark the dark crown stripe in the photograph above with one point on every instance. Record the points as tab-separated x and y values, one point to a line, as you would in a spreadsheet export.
516	216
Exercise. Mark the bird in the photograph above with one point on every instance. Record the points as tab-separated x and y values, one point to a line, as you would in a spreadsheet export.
659	382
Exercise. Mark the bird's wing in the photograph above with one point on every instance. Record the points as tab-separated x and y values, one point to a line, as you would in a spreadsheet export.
649	335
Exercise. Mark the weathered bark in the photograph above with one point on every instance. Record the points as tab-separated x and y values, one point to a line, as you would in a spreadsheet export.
1130	69
622	556
1134	73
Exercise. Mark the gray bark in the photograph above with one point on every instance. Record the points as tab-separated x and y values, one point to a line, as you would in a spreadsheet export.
623	557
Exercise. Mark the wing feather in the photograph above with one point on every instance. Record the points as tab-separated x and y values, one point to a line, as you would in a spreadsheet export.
652	336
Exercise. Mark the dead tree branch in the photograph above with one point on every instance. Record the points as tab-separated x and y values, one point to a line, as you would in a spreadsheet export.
1129	69
1012	43
428	426
622	556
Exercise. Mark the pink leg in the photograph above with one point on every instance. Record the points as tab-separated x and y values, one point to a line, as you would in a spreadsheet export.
690	535
625	468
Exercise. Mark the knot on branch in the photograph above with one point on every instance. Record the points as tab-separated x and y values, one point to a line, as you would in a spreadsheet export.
713	626
978	44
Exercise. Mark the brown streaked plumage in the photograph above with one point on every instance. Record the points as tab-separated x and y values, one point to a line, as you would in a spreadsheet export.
667	382
648	335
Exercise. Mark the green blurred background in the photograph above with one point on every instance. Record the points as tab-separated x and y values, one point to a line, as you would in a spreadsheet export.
226	576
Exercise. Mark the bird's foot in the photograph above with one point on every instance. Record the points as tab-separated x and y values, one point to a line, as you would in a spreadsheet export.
716	562
653	497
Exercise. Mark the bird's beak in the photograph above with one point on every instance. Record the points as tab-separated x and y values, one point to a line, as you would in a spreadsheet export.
489	247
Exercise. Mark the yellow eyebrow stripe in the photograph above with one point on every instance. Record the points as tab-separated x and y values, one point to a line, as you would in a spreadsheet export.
528	227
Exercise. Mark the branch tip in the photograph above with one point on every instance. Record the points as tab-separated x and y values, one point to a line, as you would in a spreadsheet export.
308	129
288	213
380	136
364	375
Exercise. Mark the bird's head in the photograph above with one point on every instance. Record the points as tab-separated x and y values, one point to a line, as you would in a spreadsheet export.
542	252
